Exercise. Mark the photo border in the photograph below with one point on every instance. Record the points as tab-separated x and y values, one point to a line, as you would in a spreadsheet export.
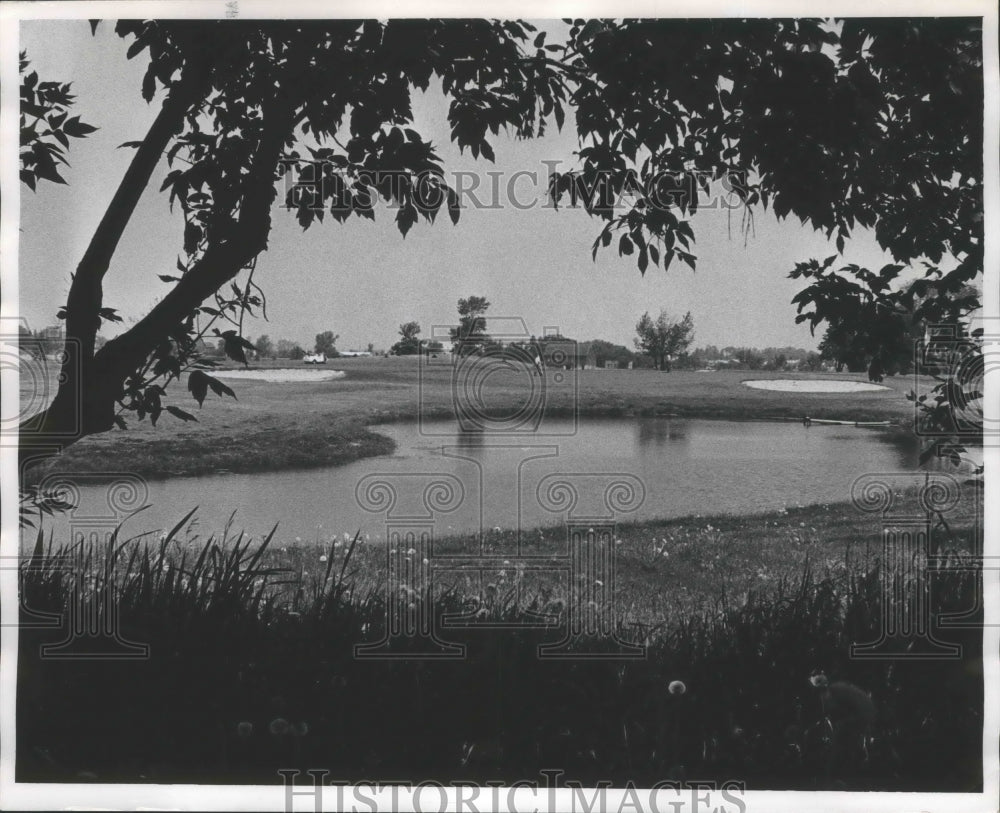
32	796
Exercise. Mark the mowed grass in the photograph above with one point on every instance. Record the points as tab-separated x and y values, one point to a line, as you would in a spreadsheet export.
273	426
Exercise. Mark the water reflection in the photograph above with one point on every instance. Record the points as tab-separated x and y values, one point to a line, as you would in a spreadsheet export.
657	432
470	438
686	467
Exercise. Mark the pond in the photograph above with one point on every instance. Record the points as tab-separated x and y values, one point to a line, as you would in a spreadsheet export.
621	469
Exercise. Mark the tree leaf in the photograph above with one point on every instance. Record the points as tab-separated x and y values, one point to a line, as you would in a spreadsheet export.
219	388
149	83
49	172
198	385
177	412
405	218
454	209
135	48
76	128
235	346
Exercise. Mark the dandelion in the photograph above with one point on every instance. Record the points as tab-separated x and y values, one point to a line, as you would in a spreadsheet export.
618	540
676	687
278	726
346	536
496	529
322	558
298	539
244	729
411	552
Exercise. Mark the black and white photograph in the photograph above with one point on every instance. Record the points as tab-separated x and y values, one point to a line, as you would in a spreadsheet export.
545	407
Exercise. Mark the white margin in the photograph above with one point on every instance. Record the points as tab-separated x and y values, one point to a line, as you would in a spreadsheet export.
202	797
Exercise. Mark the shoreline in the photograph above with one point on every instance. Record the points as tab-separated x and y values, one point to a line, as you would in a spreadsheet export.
278	427
303	450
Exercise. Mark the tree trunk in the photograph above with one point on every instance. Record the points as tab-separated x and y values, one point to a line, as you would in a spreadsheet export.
80	406
85	403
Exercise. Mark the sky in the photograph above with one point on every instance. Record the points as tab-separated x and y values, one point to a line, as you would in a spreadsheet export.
362	280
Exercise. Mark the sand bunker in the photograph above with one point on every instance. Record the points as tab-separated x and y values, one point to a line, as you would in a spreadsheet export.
814	385
277	376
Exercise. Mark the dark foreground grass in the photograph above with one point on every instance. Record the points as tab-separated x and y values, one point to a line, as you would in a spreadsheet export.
252	669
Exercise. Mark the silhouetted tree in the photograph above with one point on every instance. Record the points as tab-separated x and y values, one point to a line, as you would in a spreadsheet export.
264	346
470	335
326	342
664	339
409	344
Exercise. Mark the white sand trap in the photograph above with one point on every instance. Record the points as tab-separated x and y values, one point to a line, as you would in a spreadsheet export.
279	376
814	385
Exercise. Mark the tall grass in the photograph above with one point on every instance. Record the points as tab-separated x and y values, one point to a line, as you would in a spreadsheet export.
252	669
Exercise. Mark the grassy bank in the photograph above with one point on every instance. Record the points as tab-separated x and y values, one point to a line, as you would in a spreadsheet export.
277	426
665	568
252	667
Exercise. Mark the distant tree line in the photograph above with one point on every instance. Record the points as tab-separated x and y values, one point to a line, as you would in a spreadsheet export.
662	343
264	347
